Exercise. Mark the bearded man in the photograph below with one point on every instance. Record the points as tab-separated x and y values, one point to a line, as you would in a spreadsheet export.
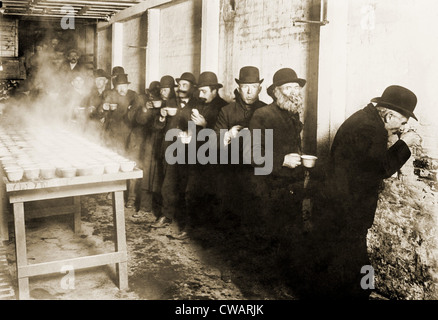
279	190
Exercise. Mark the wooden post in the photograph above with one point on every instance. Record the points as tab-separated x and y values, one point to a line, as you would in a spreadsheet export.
77	214
120	240
21	250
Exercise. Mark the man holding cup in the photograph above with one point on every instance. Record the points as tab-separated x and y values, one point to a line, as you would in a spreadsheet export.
278	190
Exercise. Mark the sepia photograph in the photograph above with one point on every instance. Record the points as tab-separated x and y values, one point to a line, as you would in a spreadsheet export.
218	155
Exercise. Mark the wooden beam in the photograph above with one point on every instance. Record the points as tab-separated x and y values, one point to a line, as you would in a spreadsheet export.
27	271
133	11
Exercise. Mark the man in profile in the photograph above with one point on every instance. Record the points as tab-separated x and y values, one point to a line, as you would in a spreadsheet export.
359	160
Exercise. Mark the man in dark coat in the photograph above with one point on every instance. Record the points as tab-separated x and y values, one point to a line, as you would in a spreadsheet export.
152	160
234	179
280	183
121	105
359	161
95	103
73	63
202	191
175	180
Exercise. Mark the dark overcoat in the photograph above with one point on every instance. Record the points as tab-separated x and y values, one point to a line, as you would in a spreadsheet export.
359	161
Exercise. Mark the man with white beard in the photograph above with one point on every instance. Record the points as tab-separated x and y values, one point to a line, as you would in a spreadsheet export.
279	190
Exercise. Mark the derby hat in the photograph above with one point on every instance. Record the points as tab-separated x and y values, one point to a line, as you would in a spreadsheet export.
153	92
249	74
188	77
286	75
100	73
399	99
167	82
121	79
117	70
282	76
208	79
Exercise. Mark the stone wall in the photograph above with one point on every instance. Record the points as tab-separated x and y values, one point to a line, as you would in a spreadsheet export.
402	243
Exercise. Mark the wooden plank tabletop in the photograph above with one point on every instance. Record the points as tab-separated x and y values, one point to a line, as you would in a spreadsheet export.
60	182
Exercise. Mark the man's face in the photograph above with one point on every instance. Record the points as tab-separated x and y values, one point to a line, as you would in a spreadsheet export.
289	97
122	89
395	122
184	88
165	93
101	82
250	92
206	94
73	57
289	89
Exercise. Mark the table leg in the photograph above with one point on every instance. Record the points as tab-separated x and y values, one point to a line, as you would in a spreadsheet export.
20	249
120	242
77	214
4	231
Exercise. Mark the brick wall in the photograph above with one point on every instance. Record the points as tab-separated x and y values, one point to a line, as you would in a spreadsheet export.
134	52
103	54
180	38
387	44
396	46
262	33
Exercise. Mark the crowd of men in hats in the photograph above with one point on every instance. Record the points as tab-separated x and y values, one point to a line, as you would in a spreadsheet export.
183	195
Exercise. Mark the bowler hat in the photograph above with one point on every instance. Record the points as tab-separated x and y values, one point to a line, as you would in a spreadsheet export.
399	99
153	92
121	79
100	73
285	75
188	77
117	70
167	82
249	74
208	78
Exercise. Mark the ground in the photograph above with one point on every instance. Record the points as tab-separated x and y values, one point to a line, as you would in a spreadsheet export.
215	263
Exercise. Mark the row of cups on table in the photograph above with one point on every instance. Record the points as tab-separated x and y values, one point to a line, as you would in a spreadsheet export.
34	171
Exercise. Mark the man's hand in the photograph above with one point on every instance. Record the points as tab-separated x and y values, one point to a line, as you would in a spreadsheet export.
91	109
163	112
292	160
199	120
106	106
234	131
411	138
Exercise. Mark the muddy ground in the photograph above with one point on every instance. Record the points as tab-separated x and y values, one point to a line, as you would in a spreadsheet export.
220	260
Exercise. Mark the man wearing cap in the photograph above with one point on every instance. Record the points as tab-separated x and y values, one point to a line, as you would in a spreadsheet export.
95	99
73	62
359	160
234	117
279	188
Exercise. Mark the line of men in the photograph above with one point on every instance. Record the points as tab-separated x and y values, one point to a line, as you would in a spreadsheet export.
345	199
183	194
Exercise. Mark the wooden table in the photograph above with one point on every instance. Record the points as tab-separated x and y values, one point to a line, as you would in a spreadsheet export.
19	193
